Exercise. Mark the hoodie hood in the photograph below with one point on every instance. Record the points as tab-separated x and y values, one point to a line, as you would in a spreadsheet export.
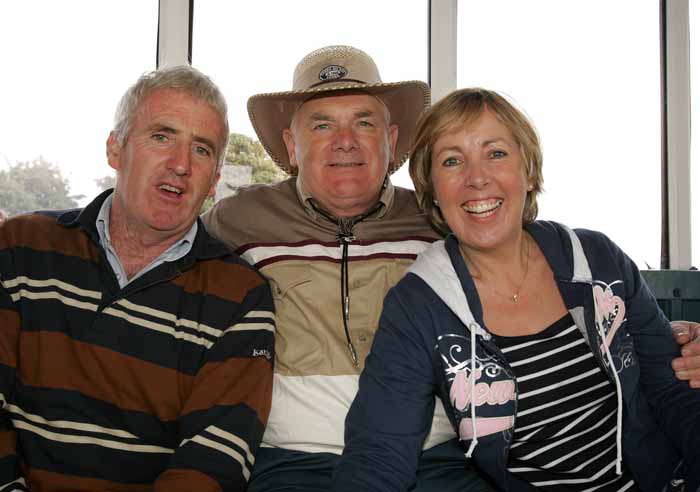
435	267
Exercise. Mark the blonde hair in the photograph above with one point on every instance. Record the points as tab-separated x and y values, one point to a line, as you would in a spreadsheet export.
461	108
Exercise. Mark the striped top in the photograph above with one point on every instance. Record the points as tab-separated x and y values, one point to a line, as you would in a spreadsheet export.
565	425
162	385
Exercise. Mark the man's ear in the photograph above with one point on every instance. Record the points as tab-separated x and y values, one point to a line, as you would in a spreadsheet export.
114	151
288	138
393	138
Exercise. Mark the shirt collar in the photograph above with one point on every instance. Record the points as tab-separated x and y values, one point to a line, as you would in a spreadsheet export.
174	252
102	221
386	198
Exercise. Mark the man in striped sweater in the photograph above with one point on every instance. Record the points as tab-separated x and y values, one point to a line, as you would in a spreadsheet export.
136	350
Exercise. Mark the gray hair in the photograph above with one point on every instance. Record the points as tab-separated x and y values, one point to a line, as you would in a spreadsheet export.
181	77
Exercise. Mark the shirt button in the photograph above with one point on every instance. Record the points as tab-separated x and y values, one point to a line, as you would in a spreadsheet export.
362	338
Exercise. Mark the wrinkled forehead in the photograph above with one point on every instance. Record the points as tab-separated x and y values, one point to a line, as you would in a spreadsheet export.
338	97
165	100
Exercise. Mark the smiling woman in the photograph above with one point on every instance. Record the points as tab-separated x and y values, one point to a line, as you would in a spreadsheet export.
480	176
537	338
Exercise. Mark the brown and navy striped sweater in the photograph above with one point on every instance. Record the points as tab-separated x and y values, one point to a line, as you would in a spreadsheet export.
163	385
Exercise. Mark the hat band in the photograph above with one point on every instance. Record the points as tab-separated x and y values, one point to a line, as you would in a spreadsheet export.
335	81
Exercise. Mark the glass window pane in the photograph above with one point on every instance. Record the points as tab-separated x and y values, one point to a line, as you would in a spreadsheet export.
694	12
588	77
66	66
248	51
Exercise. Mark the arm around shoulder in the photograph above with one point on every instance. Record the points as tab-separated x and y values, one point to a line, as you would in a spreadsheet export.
675	405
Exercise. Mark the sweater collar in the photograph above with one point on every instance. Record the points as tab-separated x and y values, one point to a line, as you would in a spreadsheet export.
204	245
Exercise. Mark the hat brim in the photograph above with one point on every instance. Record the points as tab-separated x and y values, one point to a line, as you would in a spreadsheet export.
271	114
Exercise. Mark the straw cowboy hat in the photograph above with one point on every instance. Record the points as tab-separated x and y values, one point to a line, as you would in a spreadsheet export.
336	68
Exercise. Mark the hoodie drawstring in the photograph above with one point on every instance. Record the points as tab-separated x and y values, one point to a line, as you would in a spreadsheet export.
475	439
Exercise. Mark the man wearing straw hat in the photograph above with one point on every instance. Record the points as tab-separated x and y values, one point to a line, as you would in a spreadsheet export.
332	239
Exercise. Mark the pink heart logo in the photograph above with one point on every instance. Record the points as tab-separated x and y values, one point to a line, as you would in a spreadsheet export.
610	311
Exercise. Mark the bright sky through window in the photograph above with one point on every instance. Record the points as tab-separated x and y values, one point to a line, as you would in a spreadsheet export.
588	78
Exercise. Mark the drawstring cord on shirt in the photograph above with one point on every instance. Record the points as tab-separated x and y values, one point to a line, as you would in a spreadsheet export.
345	236
345	240
475	439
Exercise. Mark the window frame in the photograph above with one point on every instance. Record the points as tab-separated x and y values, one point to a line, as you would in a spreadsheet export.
175	47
